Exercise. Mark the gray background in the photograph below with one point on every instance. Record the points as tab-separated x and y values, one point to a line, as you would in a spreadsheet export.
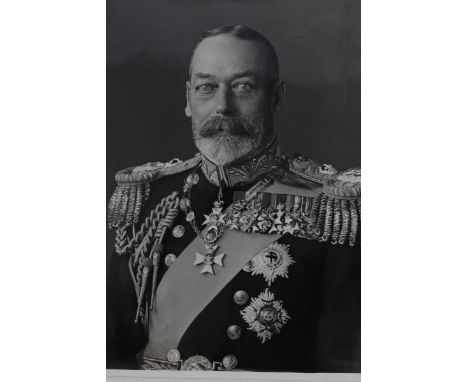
149	44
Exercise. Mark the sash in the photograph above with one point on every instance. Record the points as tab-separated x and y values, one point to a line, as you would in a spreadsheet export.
183	292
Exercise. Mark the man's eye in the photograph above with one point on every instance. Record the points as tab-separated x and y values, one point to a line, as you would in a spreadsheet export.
205	88
243	87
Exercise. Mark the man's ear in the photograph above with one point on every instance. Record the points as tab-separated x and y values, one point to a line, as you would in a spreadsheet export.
188	111
278	94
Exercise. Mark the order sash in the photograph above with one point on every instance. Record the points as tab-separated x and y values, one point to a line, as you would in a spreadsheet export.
183	292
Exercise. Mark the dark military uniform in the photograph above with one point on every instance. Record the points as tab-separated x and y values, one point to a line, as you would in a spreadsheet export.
294	306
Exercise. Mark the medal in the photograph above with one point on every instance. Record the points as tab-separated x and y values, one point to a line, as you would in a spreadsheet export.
209	259
265	315
214	223
271	262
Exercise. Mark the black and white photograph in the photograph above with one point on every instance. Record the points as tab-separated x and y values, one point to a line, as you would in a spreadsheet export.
234	186
182	194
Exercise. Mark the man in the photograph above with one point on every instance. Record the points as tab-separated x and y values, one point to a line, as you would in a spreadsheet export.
240	258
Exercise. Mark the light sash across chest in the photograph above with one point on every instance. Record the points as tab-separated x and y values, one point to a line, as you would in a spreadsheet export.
183	292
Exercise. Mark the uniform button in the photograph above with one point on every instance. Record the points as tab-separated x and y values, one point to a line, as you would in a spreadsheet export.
241	297
173	355
170	259
230	362
234	332
178	231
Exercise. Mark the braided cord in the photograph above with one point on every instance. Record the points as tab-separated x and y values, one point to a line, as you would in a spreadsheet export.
336	222
121	240
123	245
315	208
321	216
328	219
346	221
354	223
152	230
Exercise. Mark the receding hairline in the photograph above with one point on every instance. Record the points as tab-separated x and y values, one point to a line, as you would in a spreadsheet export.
245	33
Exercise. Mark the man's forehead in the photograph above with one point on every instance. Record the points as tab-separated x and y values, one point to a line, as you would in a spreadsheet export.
226	55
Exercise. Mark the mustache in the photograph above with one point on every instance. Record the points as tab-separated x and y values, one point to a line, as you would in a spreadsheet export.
240	126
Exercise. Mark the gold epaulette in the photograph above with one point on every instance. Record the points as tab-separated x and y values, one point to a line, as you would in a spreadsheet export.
336	208
133	188
344	184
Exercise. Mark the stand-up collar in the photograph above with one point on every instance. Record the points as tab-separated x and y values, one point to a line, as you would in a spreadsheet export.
245	171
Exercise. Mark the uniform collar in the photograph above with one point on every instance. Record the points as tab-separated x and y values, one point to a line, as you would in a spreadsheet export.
245	171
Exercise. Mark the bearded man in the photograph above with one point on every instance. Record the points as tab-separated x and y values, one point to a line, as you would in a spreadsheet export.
240	258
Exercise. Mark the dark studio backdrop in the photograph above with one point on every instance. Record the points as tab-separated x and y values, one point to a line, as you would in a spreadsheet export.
149	44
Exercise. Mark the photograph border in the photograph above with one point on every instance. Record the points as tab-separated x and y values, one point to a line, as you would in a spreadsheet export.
182	376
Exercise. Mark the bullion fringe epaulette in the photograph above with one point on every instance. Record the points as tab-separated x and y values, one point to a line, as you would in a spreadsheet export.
335	219
133	189
337	209
332	214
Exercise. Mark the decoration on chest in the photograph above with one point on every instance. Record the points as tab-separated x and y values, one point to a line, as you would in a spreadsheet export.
265	315
214	223
271	262
209	259
322	217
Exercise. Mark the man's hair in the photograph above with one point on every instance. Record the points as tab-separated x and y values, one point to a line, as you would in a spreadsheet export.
242	32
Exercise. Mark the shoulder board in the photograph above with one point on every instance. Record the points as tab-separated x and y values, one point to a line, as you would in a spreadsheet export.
318	203
133	188
335	211
344	184
152	171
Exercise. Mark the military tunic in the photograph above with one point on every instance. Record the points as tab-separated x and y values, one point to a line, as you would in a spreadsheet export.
317	289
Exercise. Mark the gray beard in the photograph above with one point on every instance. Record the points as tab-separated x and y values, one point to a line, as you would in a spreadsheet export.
225	149
224	140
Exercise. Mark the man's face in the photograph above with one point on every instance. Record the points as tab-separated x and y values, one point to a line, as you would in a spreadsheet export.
230	97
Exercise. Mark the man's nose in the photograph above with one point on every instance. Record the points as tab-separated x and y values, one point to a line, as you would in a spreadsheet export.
224	103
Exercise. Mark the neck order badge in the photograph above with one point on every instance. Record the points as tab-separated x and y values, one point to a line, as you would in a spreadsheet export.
215	222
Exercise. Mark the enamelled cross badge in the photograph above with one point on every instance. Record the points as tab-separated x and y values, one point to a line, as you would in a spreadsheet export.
209	259
214	223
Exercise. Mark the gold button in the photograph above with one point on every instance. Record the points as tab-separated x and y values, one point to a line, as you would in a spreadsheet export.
234	332
173	355
241	297
230	362
170	259
178	231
